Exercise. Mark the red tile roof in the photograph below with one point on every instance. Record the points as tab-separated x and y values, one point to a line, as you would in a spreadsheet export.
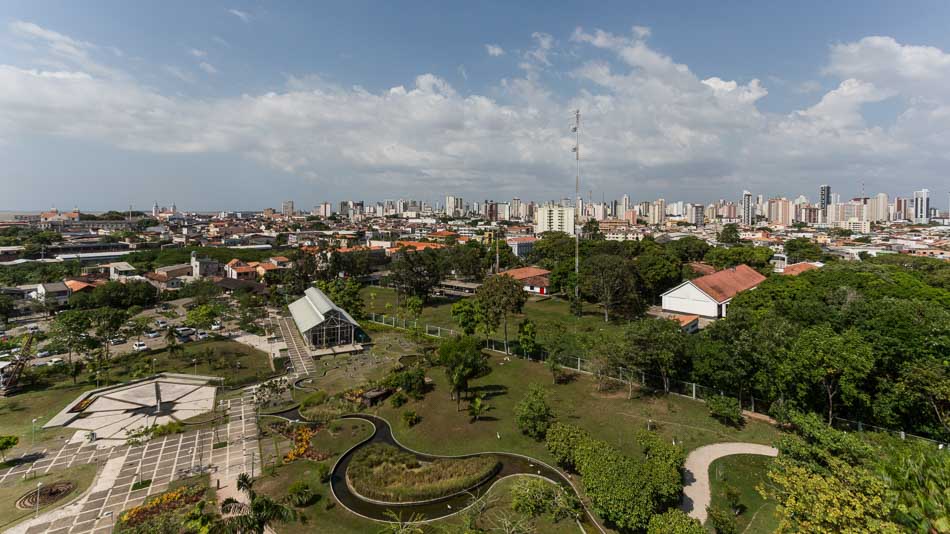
701	268
726	283
798	268
523	273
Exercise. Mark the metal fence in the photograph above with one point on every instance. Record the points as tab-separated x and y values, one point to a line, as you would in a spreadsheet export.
639	378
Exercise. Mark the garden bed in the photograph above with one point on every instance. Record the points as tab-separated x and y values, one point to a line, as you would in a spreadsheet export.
386	474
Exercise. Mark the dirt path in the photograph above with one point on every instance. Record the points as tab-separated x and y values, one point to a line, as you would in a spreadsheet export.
696	496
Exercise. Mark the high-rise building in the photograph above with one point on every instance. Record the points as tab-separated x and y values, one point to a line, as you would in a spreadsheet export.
287	208
748	209
553	218
824	196
878	209
780	211
657	213
695	214
922	206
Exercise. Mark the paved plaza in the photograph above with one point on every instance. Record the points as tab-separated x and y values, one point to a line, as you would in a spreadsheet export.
161	460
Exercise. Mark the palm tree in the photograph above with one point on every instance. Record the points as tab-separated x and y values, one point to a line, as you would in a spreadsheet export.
255	515
477	407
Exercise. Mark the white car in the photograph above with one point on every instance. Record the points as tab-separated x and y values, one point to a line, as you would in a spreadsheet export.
202	335
139	346
161	323
152	334
32	328
215	326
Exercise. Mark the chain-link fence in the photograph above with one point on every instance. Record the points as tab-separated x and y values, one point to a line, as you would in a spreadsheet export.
639	378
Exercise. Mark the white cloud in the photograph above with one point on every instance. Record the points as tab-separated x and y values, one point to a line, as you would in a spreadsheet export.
650	125
221	41
494	50
243	15
808	87
198	53
462	72
207	67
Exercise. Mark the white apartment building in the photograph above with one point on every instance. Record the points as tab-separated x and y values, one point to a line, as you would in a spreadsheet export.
553	218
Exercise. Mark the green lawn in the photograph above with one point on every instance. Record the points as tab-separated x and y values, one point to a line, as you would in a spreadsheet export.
609	416
237	363
551	314
18	411
82	476
745	472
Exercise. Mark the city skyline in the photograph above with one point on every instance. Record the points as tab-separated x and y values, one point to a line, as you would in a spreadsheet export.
669	103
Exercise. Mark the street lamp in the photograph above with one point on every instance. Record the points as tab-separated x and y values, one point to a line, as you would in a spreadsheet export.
153	365
97	379
33	423
110	515
36	514
195	361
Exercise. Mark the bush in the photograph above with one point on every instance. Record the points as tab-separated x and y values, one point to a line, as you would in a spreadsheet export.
562	440
722	520
399	399
726	410
532	496
385	473
411	381
674	521
532	414
314	399
300	494
323	472
410	418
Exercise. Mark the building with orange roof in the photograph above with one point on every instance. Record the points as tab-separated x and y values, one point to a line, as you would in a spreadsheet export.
798	268
534	279
709	296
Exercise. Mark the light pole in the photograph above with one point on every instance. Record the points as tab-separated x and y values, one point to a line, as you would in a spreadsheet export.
153	365
110	515
33	423
195	361
39	485
97	379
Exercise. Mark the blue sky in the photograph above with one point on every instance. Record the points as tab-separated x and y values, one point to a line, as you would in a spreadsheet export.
218	105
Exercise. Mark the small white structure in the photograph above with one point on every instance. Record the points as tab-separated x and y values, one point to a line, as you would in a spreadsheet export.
321	322
709	296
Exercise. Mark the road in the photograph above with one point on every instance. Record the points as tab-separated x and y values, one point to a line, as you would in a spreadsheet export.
696	492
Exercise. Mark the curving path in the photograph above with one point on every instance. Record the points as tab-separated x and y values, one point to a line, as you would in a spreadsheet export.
511	464
696	495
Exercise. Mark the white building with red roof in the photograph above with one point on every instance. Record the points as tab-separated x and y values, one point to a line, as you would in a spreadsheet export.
709	296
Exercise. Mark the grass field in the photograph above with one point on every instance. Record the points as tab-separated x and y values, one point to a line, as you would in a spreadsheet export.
236	362
551	314
18	411
745	472
609	416
82	476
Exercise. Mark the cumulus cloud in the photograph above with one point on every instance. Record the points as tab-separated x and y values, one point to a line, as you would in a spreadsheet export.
207	67
651	126
494	50
198	53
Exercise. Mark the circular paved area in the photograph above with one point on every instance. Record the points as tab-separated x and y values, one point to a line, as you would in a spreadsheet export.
696	495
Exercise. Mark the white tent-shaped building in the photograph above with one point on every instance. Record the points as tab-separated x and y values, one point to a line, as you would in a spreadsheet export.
321	322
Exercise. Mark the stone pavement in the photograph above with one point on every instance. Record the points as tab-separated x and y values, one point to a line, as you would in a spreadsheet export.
696	496
161	460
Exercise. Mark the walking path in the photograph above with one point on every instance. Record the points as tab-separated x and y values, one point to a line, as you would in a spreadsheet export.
161	460
696	496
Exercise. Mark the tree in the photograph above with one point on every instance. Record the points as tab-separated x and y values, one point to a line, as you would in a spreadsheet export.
416	272
257	514
605	280
397	525
6	308
527	337
688	248
674	521
802	249
7	443
498	297
345	293
202	316
467	315
591	230
657	270
463	360
655	344
107	323
68	329
532	414
477	407
836	363
729	234
928	381
414	307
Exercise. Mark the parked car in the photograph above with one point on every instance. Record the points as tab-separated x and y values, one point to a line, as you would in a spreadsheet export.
164	306
139	346
202	335
185	331
152	334
43	354
55	361
215	326
32	328
117	340
161	323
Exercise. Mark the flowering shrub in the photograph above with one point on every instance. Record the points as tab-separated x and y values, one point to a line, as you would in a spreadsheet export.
302	447
168	501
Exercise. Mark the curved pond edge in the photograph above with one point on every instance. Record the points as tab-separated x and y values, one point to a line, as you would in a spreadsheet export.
372	419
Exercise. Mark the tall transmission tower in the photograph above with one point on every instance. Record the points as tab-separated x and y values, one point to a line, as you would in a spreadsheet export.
577	201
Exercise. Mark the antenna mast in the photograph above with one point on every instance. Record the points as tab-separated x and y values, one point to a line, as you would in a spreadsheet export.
577	202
